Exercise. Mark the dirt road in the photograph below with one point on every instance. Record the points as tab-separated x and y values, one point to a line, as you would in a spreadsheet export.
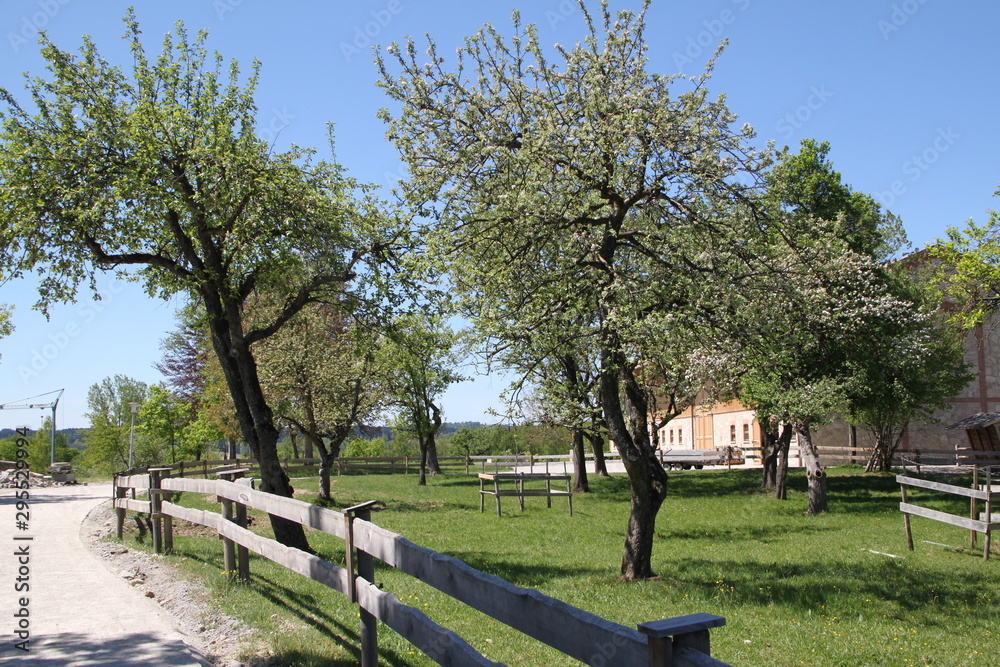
69	609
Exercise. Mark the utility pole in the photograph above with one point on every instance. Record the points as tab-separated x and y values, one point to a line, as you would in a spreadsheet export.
131	432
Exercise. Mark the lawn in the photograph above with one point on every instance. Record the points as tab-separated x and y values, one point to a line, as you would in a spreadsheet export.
794	589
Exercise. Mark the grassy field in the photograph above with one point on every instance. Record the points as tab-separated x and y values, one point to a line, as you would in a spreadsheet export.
794	589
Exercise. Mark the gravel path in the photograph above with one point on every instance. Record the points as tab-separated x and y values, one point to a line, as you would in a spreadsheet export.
113	606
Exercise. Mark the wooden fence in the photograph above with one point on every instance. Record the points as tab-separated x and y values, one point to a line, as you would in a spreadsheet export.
676	642
343	465
382	464
955	456
976	523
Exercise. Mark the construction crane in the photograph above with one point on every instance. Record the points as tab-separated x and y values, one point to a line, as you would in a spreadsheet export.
24	404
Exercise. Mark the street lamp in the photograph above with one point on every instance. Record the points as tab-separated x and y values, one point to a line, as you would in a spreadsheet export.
131	432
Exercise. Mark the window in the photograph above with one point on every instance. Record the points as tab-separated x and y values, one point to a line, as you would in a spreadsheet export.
732	433
746	433
680	436
671	436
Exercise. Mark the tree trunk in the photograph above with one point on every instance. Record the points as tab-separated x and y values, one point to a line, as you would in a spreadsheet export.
781	468
646	476
852	441
579	463
326	460
600	463
597	444
433	465
887	441
429	448
255	417
814	471
422	444
294	437
769	455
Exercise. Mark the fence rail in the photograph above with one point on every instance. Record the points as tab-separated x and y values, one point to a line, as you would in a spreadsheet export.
916	458
976	523
593	640
956	456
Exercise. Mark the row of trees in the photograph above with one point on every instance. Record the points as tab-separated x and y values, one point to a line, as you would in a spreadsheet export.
610	233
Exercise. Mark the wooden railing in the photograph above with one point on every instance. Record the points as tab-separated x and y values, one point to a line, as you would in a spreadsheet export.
677	642
916	458
976	523
342	465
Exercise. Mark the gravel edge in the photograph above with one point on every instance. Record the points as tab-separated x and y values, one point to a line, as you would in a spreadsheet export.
223	640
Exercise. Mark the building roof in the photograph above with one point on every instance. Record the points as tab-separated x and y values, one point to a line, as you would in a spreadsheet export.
980	420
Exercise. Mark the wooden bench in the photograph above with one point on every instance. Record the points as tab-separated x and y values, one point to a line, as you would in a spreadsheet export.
519	479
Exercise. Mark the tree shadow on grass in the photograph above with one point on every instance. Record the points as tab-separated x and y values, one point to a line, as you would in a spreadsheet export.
309	610
814	587
761	533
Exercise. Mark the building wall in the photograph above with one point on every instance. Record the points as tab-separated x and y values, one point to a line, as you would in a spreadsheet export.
706	426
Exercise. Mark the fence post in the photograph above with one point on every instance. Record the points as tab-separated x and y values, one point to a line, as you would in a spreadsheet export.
155	507
235	557
906	519
228	546
689	632
366	571
989	520
120	511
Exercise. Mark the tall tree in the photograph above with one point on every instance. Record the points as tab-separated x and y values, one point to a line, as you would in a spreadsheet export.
323	376
186	352
586	188
805	185
965	267
908	369
807	192
159	175
423	351
110	415
163	419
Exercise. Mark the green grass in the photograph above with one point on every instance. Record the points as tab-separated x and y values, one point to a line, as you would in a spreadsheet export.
794	589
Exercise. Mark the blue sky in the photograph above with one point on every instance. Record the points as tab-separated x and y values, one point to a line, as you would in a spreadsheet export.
905	91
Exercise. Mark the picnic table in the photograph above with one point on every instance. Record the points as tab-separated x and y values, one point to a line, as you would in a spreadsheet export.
519	490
